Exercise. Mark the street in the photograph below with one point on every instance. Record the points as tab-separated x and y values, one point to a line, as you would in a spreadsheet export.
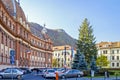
34	76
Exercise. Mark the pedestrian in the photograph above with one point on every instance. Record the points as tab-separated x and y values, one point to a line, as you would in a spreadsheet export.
107	74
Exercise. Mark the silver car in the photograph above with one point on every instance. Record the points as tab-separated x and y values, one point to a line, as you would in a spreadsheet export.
11	73
71	73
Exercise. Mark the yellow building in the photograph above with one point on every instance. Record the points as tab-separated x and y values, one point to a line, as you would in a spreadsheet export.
112	51
64	55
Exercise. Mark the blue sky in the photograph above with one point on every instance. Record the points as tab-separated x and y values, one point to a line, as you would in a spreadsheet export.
103	15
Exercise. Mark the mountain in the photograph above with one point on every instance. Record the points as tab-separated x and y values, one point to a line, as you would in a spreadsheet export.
58	36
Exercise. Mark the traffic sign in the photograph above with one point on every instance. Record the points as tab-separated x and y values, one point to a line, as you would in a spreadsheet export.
12	56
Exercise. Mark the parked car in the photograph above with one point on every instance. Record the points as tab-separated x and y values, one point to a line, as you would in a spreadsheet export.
71	73
55	69
2	70
26	70
49	73
11	73
61	70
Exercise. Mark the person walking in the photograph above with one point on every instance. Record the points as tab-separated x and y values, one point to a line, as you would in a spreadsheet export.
106	74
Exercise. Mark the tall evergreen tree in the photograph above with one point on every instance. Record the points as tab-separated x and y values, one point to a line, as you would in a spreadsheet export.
86	41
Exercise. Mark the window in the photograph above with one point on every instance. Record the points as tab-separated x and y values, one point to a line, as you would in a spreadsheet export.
68	59
112	51
8	22
58	59
4	18
10	43
113	64
117	64
27	35
2	38
0	13
24	34
117	51
13	28
14	71
62	53
105	52
6	41
112	57
21	31
117	57
56	54
7	71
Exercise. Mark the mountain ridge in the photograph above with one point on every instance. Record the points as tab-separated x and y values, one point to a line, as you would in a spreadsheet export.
58	36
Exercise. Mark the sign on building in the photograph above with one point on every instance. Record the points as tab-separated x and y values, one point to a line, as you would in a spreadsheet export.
12	56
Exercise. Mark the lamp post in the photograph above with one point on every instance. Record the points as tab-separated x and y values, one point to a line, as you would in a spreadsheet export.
58	62
65	57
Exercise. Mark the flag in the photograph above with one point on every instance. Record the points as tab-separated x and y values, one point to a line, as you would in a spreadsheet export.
72	52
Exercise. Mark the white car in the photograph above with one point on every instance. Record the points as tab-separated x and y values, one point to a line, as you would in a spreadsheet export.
11	73
49	73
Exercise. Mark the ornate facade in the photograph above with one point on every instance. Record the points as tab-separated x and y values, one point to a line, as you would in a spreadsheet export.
15	33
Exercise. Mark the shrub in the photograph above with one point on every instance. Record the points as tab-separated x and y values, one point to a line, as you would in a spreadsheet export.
86	72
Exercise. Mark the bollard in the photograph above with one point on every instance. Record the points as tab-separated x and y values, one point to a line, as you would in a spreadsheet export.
57	76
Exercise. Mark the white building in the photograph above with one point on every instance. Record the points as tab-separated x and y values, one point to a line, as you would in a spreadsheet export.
59	54
112	51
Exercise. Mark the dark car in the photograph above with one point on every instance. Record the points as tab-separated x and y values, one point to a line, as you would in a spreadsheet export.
71	73
26	70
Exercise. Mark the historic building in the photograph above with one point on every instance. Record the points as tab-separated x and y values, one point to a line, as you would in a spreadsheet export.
64	55
15	34
112	51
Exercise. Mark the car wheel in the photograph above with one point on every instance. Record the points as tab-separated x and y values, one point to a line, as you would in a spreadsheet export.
79	75
1	76
18	77
63	77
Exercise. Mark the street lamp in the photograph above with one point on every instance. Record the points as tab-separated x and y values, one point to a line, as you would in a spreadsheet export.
58	62
65	57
